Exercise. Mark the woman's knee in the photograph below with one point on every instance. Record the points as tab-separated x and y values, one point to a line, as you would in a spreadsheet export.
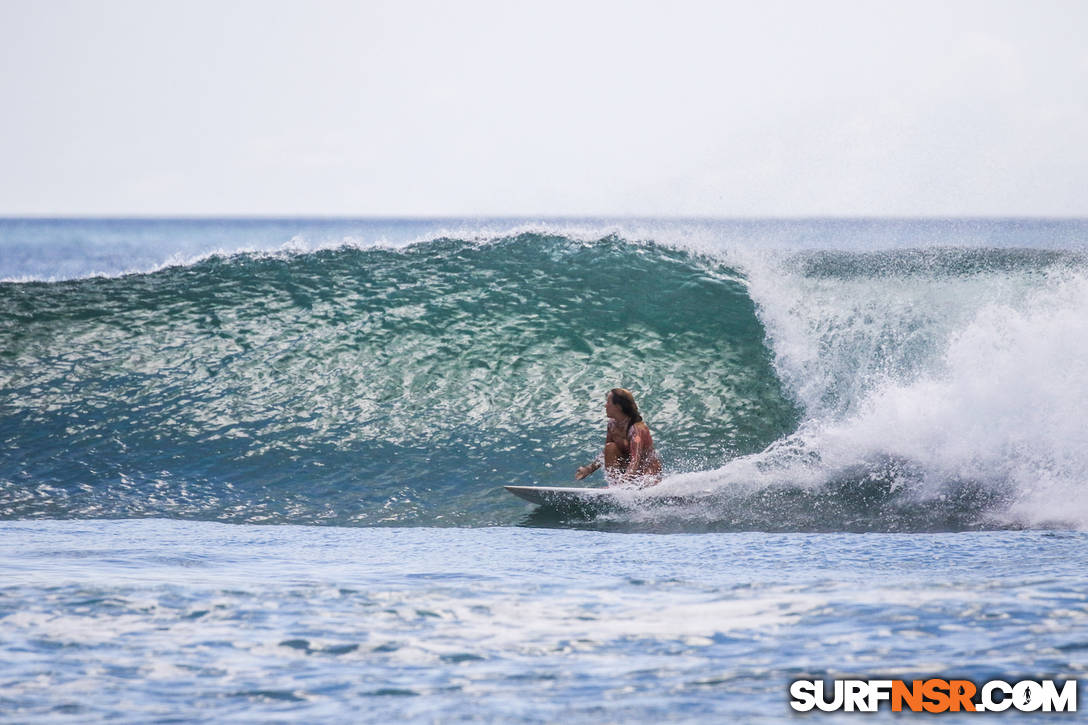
611	454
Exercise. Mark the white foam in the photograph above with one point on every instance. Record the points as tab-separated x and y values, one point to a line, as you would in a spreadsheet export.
979	378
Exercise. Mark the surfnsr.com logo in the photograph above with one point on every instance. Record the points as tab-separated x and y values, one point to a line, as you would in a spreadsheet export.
934	695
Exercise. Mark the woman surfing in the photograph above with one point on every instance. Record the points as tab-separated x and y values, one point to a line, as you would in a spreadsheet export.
629	457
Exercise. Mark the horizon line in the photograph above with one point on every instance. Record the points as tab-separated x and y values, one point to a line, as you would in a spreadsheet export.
542	217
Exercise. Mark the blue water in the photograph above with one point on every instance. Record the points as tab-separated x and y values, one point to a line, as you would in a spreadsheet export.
252	469
149	619
157	618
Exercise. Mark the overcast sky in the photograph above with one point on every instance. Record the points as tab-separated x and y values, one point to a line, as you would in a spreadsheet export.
550	108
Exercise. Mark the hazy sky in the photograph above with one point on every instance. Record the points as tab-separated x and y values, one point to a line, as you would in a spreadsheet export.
547	108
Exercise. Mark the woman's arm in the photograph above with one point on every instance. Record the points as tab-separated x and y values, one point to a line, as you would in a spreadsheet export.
585	470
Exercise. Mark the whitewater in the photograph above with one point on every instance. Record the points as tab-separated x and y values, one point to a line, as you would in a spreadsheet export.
253	469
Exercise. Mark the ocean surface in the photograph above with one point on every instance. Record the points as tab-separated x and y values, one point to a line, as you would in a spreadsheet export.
252	470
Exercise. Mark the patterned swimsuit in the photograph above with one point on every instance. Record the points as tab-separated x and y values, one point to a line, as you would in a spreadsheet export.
638	435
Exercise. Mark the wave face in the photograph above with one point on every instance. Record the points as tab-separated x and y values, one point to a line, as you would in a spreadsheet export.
371	386
862	376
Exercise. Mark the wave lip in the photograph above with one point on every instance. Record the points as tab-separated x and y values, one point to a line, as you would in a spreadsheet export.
48	250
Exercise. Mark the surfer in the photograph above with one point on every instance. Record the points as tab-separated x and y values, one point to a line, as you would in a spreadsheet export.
629	455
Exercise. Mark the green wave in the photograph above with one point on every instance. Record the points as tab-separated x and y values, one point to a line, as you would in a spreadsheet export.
371	385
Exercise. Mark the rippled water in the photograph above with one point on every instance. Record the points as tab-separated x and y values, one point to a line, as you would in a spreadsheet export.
156	619
214	433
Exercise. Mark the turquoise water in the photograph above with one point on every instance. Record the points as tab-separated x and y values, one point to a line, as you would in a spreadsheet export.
370	385
253	469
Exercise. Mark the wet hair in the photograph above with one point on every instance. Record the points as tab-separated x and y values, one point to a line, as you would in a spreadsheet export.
623	398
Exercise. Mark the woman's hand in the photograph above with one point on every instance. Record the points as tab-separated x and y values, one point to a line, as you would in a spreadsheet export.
582	472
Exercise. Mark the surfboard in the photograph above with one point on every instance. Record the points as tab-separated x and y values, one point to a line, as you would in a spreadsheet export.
568	499
564	496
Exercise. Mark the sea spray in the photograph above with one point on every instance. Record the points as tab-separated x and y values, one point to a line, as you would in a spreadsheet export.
941	389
